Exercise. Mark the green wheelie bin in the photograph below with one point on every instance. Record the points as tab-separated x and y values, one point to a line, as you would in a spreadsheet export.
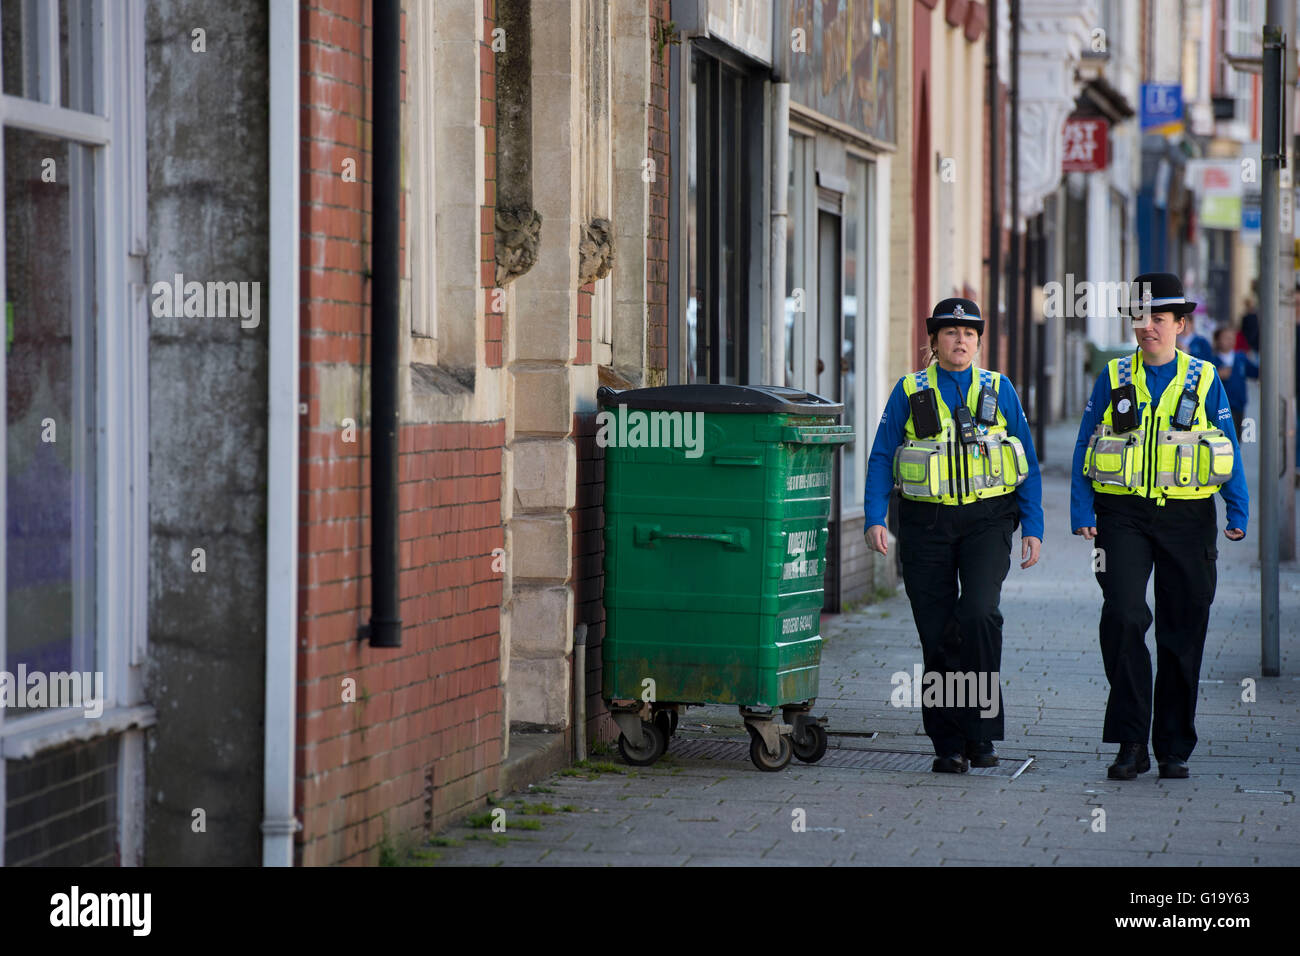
716	503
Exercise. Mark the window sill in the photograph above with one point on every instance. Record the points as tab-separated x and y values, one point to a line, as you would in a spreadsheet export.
22	739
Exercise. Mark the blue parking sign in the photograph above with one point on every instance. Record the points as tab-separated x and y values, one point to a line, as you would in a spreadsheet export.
1162	108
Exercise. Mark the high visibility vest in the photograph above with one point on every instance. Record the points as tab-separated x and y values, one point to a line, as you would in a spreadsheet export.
941	468
1156	460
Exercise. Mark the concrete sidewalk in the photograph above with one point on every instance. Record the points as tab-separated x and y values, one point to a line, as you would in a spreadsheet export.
1237	808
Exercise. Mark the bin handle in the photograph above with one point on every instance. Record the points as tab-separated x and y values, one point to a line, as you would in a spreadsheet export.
819	434
752	461
733	539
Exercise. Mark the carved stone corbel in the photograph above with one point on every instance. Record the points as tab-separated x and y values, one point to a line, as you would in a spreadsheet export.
595	251
518	232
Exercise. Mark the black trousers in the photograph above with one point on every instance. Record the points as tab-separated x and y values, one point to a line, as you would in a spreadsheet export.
942	546
1134	534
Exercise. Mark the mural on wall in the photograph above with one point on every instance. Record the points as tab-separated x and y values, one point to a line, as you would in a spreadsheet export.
842	64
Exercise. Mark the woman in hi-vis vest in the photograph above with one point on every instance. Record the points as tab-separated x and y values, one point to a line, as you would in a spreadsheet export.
954	438
1156	442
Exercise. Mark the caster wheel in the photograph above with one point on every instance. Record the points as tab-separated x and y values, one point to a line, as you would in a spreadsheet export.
651	749
765	761
815	747
666	721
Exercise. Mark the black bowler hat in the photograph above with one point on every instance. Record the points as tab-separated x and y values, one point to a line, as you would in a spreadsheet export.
1157	292
955	311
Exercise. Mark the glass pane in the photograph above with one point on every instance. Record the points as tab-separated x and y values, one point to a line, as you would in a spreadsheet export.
728	185
692	371
855	310
42	41
79	48
49	379
19	40
793	298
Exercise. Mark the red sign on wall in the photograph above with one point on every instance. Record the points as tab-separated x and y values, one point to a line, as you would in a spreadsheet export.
1085	145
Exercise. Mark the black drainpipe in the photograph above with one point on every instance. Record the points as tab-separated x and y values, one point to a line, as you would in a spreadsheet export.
385	627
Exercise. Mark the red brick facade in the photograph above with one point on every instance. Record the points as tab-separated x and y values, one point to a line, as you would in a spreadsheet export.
423	738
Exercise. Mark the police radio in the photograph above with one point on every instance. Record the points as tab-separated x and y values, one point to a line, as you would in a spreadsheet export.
1124	411
988	406
965	425
1186	410
925	416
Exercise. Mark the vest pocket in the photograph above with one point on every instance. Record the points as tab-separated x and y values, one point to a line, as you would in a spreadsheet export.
916	469
1111	460
1015	464
1214	459
1184	465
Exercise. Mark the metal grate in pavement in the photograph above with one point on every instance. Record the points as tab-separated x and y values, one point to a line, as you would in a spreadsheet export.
840	758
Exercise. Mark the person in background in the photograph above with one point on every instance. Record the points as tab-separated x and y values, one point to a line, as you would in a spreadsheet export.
1193	343
1248	336
1234	368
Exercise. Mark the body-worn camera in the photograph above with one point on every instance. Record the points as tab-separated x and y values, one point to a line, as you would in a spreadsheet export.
988	406
1124	410
925	416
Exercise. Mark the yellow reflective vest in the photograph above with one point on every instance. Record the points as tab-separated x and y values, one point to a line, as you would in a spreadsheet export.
940	468
1156	460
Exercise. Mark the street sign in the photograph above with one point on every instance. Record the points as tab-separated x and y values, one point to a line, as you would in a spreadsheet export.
1250	217
1217	184
1084	145
1162	108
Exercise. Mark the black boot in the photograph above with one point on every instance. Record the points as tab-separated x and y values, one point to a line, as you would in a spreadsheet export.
1132	760
981	754
1174	768
950	763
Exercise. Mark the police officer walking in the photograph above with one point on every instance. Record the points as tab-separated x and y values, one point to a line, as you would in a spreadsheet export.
1155	443
954	438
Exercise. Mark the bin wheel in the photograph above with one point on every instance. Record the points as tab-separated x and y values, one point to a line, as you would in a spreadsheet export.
652	747
666	721
815	748
764	761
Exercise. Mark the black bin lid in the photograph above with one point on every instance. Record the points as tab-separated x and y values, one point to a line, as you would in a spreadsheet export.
738	399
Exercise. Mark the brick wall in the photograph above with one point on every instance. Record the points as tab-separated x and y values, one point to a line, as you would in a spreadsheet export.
422	741
588	564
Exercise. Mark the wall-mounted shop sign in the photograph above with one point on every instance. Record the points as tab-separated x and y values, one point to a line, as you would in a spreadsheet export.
842	62
1085	147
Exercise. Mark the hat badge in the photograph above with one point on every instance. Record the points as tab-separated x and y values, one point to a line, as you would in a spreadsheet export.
1146	299
958	311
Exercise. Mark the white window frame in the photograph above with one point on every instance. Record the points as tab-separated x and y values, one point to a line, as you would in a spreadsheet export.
801	360
421	262
598	167
866	321
116	132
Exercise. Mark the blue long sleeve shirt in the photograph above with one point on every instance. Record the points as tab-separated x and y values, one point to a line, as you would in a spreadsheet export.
1235	385
1218	413
954	387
